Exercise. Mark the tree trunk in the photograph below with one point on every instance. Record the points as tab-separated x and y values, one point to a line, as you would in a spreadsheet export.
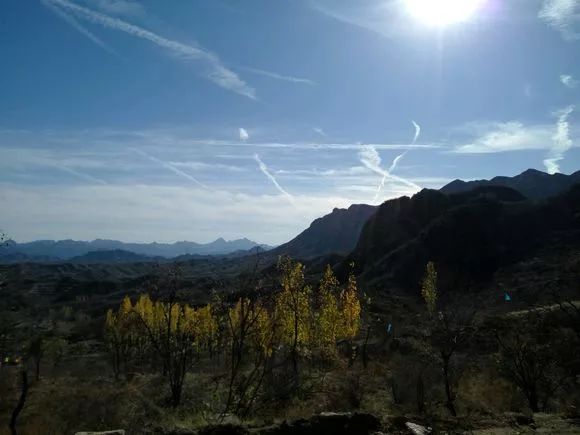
20	404
420	394
448	390
364	352
37	369
533	400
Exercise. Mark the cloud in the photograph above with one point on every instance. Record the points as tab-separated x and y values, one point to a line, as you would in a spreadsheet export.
515	136
166	213
562	141
507	136
568	81
563	16
319	131
215	71
284	78
369	157
267	173
170	167
244	136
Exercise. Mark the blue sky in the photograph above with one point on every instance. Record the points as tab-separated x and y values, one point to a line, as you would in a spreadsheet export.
191	120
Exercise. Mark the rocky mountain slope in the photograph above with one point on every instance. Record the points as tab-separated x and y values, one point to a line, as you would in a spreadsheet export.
335	233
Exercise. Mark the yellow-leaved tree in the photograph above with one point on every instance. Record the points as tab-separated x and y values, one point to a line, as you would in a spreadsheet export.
293	309
350	309
429	287
328	317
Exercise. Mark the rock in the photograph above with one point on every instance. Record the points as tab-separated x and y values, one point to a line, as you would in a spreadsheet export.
417	429
524	420
224	429
107	432
327	423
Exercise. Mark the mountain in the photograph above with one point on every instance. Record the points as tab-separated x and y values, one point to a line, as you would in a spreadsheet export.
469	236
112	257
68	249
531	183
335	233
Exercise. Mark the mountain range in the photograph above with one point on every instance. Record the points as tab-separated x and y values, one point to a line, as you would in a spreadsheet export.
359	233
66	250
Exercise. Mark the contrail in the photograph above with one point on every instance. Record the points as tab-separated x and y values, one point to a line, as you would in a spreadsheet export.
244	136
170	167
216	73
371	159
70	20
395	162
267	173
82	175
417	132
562	141
279	76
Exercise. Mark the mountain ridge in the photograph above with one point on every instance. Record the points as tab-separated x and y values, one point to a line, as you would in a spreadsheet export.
532	183
68	249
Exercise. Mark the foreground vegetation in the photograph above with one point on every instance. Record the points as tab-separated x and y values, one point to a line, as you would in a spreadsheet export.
290	349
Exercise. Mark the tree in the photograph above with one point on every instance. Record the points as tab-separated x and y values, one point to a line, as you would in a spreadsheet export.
429	287
449	335
36	352
293	309
170	331
350	309
530	361
21	401
328	318
252	333
118	330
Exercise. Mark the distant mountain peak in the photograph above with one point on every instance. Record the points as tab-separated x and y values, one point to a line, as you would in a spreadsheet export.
533	172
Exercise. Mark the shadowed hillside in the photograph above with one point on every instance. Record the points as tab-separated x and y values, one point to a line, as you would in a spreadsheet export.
335	233
468	235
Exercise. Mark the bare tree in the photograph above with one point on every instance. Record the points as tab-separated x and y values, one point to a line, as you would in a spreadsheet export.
528	358
21	401
449	337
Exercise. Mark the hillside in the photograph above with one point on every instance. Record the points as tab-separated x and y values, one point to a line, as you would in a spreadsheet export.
335	233
469	236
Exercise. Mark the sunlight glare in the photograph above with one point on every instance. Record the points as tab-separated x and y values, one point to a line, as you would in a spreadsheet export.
442	12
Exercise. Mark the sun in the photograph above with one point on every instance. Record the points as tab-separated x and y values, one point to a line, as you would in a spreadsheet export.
441	13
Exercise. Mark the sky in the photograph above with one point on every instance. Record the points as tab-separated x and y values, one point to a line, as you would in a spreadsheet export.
196	119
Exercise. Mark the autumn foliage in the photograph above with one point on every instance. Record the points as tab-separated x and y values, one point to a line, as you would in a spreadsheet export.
296	323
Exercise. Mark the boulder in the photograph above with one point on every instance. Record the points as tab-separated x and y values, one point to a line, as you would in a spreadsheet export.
417	429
